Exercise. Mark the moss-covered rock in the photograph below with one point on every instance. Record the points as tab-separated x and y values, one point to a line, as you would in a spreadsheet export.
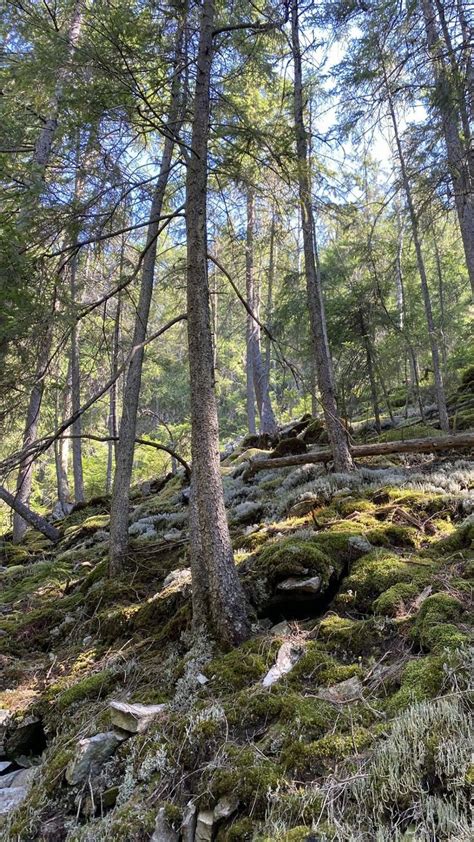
375	572
435	627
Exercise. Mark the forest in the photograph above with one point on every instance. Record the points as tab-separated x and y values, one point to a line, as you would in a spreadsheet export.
237	420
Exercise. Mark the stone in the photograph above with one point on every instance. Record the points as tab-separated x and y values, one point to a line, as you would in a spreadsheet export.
301	586
91	753
346	691
280	628
188	825
163	831
201	678
225	807
178	578
5	719
288	655
21	734
303	507
11	798
204	826
359	544
134	718
20	777
4	765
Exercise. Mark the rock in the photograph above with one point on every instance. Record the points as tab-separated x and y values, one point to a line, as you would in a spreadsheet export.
173	535
180	578
19	778
346	691
288	655
204	826
91	753
224	808
11	798
87	640
359	544
134	718
5	719
101	535
301	586
23	735
4	765
188	826
280	628
303	507
201	678
163	831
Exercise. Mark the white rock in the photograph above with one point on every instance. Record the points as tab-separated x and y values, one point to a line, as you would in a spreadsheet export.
360	544
204	826
225	807
91	754
288	655
134	718
163	831
294	585
201	678
11	798
4	765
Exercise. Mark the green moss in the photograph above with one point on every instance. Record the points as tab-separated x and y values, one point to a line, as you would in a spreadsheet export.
422	679
87	527
92	686
305	715
463	419
434	628
247	775
254	705
318	757
459	541
415	431
241	830
293	556
374	573
393	601
356	637
394	535
243	666
318	667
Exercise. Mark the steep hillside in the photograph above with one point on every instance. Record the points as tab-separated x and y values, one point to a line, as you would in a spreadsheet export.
345	716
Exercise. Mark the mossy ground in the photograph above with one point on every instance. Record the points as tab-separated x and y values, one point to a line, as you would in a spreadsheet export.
396	618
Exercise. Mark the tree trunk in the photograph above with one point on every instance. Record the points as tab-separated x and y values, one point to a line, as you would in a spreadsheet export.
76	393
258	376
336	431
370	371
62	446
112	420
438	380
27	516
126	444
428	445
25	473
458	154
218	599
270	283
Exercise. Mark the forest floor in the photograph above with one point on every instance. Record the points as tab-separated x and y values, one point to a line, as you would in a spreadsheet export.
360	587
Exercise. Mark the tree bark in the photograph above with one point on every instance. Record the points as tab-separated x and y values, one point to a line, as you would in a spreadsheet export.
370	371
458	153
438	380
320	347
428	445
131	393
218	600
78	477
62	451
27	516
25	473
257	377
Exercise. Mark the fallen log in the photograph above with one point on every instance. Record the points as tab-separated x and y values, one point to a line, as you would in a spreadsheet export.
428	445
32	518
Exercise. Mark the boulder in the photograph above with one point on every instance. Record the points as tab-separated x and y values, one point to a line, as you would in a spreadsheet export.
163	831
288	447
90	755
288	655
311	585
359	544
135	718
11	798
204	826
304	507
19	778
